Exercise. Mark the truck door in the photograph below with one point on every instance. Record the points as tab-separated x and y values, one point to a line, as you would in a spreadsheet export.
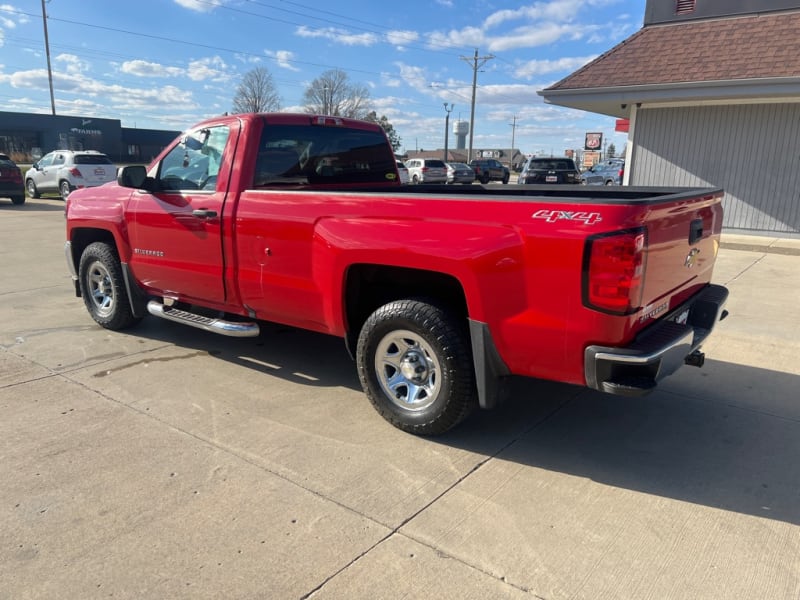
176	231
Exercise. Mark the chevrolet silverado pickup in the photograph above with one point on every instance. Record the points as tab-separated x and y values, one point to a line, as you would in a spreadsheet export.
439	294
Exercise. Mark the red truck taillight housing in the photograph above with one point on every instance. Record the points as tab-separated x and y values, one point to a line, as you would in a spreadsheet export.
613	271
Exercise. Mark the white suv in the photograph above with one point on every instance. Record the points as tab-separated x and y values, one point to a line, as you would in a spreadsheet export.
63	171
426	170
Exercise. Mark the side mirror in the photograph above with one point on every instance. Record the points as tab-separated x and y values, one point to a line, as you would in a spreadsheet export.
134	176
35	166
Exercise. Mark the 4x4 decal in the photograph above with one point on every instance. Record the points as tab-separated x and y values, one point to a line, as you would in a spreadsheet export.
551	216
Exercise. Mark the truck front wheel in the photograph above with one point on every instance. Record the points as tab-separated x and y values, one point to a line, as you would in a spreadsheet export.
415	366
103	287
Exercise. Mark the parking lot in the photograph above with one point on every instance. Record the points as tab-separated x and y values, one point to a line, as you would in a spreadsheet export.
166	462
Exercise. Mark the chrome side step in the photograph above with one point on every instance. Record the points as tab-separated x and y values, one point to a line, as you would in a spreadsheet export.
229	328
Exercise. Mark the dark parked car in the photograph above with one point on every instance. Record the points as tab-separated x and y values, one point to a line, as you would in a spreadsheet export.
459	173
489	169
11	184
607	172
549	170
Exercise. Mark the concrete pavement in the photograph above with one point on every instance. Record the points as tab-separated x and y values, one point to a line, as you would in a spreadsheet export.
166	462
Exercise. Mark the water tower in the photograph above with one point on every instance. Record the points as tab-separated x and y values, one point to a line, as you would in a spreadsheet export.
460	130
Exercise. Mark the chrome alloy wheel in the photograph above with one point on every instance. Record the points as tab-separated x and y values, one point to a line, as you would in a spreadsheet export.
101	288
407	369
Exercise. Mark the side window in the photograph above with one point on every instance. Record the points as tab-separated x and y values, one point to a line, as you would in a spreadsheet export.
46	160
58	159
193	164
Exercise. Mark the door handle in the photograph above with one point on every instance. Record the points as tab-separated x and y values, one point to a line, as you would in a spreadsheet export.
204	213
695	230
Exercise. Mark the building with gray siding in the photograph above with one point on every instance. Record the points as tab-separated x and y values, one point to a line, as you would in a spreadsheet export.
711	89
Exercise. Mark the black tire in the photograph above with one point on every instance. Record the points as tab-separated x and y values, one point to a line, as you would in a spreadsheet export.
505	179
103	287
415	180
64	188
30	187
415	366
18	199
485	178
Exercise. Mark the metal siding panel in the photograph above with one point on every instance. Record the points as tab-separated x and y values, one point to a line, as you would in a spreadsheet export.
751	151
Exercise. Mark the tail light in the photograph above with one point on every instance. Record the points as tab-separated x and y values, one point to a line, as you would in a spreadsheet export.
613	271
75	172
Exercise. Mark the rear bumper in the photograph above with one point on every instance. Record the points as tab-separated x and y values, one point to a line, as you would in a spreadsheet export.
659	350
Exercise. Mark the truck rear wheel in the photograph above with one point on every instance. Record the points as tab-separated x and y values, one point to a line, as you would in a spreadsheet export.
103	287
415	366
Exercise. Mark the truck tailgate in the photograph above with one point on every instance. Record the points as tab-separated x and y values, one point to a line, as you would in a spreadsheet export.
682	244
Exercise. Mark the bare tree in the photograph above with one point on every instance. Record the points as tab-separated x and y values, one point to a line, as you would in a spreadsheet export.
394	138
332	94
256	93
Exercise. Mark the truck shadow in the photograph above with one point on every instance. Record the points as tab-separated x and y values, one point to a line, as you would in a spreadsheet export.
38	205
726	436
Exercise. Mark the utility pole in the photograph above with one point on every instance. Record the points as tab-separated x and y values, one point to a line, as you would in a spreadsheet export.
447	127
477	63
513	130
47	51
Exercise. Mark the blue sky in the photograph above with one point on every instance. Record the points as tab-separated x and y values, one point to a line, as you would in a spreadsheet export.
165	64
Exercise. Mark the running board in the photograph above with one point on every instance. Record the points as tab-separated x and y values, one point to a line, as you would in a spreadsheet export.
214	325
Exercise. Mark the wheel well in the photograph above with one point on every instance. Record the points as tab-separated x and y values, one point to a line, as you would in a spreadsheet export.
370	286
81	238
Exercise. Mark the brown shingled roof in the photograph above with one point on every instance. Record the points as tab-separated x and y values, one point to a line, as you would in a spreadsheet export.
734	48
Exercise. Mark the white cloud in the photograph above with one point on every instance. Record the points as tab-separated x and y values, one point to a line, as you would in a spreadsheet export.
10	17
400	39
71	64
283	58
142	68
531	68
199	5
540	23
209	69
340	36
416	77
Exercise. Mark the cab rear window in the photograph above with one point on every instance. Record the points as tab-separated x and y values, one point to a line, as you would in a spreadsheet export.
299	154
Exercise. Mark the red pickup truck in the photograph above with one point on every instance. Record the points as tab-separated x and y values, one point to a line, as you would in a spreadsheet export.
439	293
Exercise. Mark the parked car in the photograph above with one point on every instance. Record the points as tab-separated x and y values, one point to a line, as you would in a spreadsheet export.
402	171
489	169
63	171
607	172
11	180
549	170
459	173
426	170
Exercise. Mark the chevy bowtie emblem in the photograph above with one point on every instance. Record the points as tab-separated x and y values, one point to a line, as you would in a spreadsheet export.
691	258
